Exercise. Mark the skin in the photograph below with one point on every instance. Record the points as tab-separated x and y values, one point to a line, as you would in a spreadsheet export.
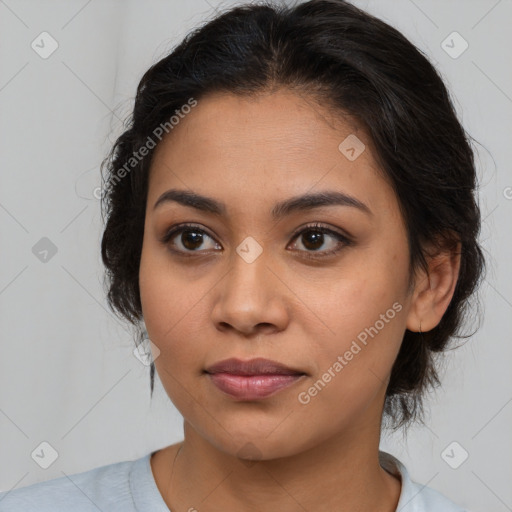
250	153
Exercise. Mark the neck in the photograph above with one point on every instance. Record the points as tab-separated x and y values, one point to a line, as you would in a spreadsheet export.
342	473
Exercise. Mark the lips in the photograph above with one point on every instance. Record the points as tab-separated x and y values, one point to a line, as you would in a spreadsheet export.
258	366
252	380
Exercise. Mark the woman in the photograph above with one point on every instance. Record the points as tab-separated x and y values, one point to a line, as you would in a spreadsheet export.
291	216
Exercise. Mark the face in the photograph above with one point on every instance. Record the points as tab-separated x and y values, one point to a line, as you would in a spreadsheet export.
319	286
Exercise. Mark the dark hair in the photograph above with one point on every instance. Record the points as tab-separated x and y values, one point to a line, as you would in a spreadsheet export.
357	65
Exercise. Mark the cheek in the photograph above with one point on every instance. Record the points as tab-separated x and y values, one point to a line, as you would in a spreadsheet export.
175	311
353	364
364	311
164	295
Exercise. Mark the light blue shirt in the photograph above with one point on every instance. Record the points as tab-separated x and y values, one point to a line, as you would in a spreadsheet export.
129	486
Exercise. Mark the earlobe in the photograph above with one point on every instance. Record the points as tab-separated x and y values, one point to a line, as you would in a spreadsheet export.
434	291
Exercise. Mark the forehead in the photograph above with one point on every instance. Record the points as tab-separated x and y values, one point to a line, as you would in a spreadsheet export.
281	143
284	121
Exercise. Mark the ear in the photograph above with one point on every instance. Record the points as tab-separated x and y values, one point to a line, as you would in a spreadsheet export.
433	291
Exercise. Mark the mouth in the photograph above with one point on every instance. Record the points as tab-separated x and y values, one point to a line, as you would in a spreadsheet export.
254	379
257	366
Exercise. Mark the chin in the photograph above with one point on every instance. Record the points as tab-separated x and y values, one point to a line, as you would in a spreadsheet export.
250	446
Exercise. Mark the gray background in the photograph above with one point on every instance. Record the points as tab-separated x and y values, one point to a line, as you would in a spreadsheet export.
68	376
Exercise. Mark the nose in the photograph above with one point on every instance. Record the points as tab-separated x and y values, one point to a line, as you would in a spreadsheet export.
251	298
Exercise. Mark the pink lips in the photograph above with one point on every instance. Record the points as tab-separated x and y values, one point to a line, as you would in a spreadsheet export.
254	379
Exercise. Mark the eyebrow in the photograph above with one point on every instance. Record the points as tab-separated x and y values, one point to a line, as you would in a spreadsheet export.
281	209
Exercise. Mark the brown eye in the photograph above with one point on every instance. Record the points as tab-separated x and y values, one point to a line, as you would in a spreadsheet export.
313	238
191	239
314	241
188	238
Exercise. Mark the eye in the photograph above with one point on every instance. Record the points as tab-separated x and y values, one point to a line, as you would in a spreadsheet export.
192	238
186	239
313	237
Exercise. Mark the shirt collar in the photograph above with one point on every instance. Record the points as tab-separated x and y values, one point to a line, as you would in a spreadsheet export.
146	495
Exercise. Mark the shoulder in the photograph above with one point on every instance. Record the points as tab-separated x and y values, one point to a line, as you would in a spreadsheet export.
415	497
425	498
103	488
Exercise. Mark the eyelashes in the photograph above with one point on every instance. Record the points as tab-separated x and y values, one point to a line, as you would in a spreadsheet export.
195	237
318	229
191	229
